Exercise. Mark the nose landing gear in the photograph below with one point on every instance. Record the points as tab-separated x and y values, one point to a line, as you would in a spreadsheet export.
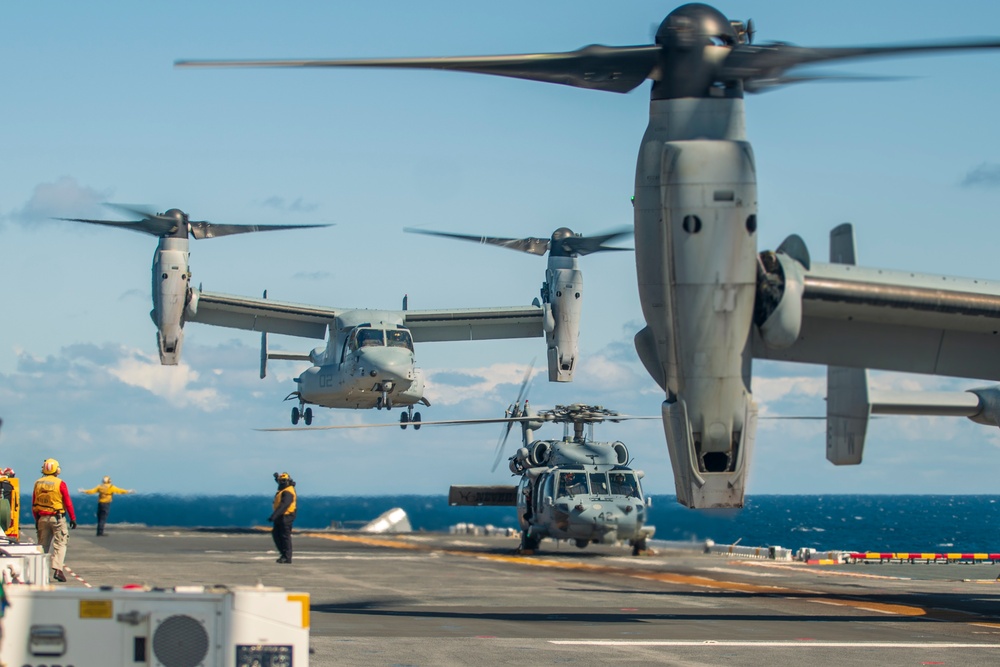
384	401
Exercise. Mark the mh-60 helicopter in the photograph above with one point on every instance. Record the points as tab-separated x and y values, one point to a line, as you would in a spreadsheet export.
570	489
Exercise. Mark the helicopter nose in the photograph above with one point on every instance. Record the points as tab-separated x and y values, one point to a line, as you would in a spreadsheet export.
390	364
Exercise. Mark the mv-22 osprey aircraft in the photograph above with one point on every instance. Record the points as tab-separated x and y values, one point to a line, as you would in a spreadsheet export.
368	361
710	301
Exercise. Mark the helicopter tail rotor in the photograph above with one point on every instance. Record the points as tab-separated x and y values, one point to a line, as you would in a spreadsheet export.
514	410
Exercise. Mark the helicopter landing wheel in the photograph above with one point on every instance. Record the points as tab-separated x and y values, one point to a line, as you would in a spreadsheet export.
308	416
580	544
295	416
378	403
404	419
528	544
415	420
639	547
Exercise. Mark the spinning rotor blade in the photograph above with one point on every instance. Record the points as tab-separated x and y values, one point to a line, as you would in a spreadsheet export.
173	220
444	422
563	239
201	229
532	245
617	69
514	411
541	416
148	226
753	63
585	245
697	51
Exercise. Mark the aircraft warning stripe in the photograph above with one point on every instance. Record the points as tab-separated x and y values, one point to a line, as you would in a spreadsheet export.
907	555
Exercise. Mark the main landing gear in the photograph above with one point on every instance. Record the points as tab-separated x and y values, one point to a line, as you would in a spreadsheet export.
409	418
306	416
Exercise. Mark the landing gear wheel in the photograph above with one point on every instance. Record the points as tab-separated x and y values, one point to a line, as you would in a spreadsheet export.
528	544
415	420
404	419
581	544
308	416
295	416
378	403
639	547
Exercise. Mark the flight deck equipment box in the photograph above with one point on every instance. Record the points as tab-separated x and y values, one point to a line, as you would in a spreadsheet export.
180	627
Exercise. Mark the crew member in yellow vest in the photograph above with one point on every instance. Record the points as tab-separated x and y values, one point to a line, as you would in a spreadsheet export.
283	516
50	505
105	493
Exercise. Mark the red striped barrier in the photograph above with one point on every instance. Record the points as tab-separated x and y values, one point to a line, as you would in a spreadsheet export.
911	556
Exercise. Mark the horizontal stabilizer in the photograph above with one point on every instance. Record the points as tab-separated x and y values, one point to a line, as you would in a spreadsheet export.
499	495
929	403
289	356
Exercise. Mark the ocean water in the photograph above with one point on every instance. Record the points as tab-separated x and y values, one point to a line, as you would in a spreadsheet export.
849	522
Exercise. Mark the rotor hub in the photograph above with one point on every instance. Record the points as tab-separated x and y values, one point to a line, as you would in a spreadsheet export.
686	36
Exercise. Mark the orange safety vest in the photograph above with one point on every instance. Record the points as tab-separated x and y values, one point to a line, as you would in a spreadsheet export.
277	498
47	498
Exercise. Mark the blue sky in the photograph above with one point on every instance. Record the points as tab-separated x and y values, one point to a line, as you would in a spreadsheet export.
94	111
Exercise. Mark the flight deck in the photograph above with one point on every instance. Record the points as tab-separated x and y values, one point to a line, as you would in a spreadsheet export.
437	599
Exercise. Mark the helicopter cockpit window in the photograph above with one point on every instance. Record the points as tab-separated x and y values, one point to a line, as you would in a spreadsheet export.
599	484
573	483
399	338
624	484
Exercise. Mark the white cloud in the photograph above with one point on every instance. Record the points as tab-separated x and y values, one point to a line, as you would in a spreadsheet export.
64	198
173	383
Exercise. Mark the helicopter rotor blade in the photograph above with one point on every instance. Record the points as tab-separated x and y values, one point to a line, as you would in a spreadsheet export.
202	229
617	69
531	245
443	422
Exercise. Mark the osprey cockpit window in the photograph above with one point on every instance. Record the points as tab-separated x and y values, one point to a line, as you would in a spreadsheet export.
365	337
371	338
399	338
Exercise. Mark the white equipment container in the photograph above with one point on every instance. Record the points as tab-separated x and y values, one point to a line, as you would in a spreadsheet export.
181	627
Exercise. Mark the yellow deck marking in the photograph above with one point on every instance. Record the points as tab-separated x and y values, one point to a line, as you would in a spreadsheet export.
663	577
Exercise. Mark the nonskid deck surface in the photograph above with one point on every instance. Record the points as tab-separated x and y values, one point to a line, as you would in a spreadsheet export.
434	599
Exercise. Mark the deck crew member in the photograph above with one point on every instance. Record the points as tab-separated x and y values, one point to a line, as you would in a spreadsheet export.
50	504
106	492
283	516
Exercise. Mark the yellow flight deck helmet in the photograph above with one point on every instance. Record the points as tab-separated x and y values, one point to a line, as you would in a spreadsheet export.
283	477
50	467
